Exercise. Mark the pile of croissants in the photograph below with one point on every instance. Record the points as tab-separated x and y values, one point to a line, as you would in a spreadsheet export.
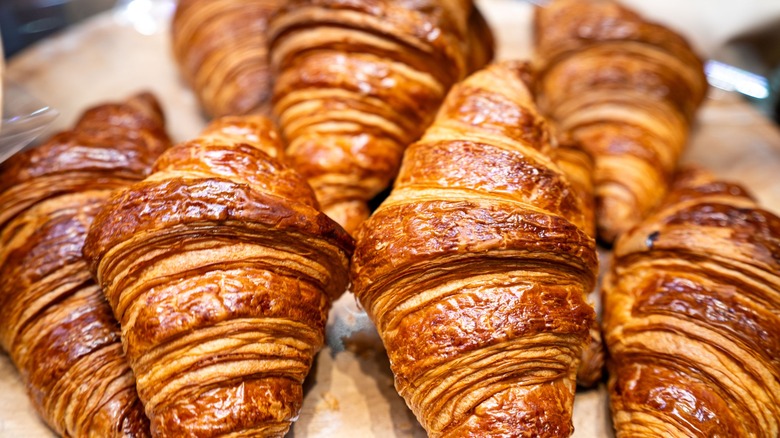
373	147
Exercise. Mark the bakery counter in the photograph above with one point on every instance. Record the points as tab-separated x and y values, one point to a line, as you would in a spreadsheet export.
349	392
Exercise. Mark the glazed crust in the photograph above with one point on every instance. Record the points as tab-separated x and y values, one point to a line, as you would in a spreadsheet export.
692	307
110	146
56	325
221	272
221	51
475	268
625	89
357	82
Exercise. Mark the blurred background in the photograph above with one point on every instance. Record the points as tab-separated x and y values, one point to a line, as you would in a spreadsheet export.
24	22
742	38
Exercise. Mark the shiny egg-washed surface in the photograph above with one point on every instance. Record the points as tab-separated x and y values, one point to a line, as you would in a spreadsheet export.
221	271
475	268
692	310
627	91
56	324
357	82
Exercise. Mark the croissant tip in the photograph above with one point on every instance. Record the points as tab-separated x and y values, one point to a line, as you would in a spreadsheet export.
147	103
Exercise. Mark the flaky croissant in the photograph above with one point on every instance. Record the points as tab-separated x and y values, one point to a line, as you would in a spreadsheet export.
54	321
627	91
221	51
692	311
221	271
475	268
357	82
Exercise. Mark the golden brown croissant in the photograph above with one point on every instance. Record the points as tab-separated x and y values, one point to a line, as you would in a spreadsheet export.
221	271
54	320
221	51
475	268
692	311
627	91
357	82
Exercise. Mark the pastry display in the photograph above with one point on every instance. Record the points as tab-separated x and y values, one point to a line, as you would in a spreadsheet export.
221	270
55	323
373	229
356	82
484	321
221	51
692	310
627	90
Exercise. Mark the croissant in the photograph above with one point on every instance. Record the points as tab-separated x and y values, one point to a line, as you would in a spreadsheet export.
692	310
357	82
54	321
476	266
221	51
625	89
221	271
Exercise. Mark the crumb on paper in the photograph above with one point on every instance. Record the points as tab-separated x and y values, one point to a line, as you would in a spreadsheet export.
328	402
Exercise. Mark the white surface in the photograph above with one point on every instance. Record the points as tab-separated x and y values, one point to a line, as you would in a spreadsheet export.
349	393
